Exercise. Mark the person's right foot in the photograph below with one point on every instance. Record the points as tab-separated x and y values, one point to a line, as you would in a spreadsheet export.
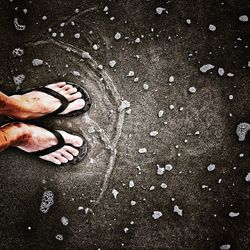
35	138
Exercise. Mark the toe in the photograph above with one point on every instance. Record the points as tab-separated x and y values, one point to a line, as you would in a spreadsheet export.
60	157
75	105
75	140
66	154
51	158
67	87
72	90
71	150
75	96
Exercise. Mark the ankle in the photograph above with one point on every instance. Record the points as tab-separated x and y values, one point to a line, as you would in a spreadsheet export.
17	132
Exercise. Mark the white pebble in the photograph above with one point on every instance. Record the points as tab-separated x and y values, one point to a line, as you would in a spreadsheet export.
157	214
233	214
145	86
164	185
77	35
160	170
112	63
153	133
243	18
142	150
211	27
171	79
124	104
221	71
206	67
247	178
159	10
192	90
117	36
177	210
211	167
131	73
115	193
131	184
168	167
160	114
37	62
225	247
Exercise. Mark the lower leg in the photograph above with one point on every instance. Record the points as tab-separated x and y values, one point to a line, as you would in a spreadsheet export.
13	134
8	105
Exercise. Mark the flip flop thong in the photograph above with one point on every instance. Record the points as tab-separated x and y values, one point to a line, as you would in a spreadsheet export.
61	143
64	101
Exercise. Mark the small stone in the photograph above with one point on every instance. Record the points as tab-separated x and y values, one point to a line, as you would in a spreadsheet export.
243	18
242	130
124	104
95	47
206	68
160	170
133	203
137	40
211	27
44	18
142	150
77	35
76	73
247	178
221	71
59	237
17	52
171	79
64	221
188	21
168	167
192	90
157	214
80	208
160	114
211	167
115	193
112	63
177	210
230	97
153	133
164	185
37	62
159	10
233	214
131	184
18	79
117	36
225	247
145	86
171	106
126	230
131	73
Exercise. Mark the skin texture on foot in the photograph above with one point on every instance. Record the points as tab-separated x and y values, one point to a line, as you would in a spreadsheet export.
38	138
36	104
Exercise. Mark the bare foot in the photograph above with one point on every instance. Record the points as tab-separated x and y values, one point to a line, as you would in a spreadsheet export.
36	103
38	138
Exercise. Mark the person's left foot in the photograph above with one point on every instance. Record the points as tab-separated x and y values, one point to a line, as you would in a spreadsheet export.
36	104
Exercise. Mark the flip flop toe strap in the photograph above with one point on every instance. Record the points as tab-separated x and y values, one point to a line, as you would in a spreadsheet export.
64	100
52	149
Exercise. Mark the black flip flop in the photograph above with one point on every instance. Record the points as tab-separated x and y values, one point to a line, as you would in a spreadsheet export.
61	143
64	102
